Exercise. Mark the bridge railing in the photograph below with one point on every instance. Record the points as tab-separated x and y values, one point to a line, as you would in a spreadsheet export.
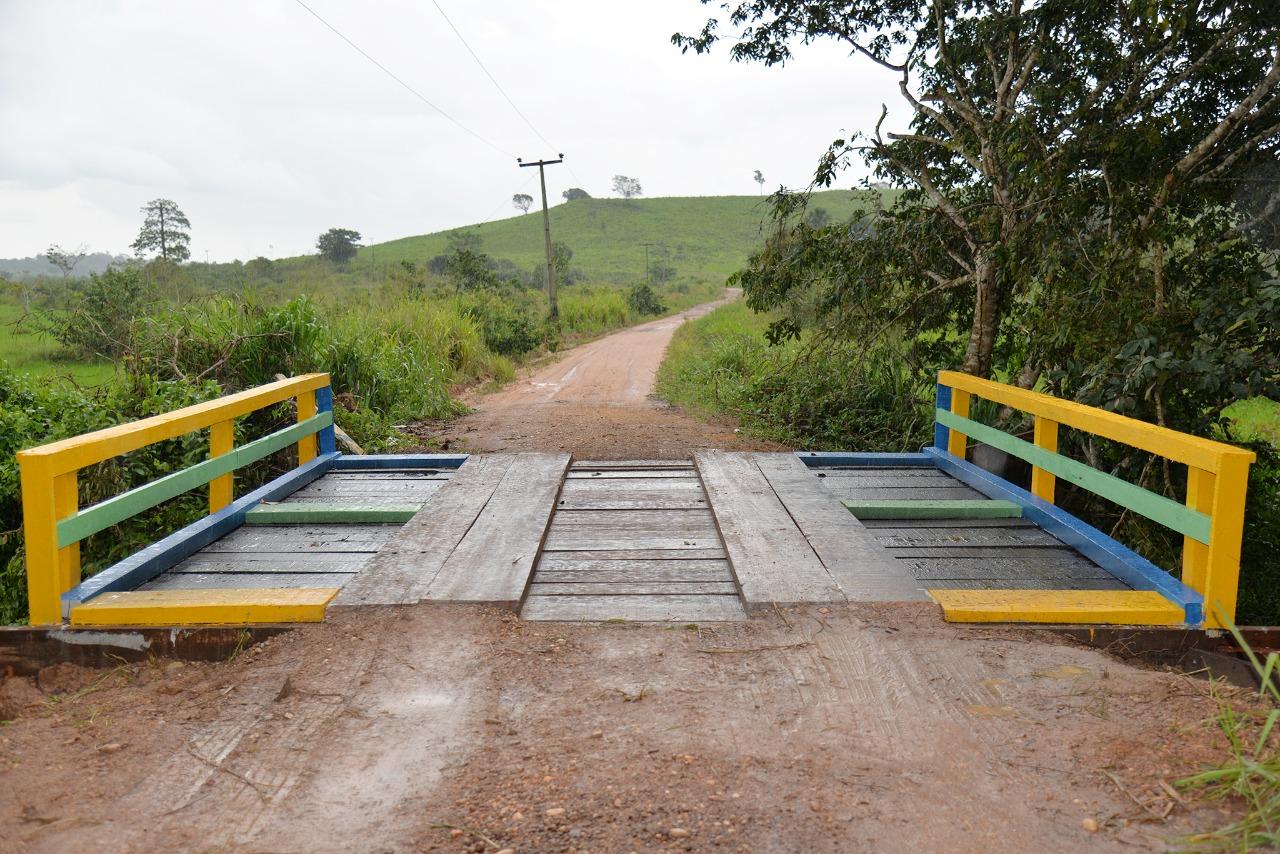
54	523
1212	519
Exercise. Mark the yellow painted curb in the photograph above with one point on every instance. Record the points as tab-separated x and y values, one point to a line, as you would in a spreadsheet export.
1101	607
203	607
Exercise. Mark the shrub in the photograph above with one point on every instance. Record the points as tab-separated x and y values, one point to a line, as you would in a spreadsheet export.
642	300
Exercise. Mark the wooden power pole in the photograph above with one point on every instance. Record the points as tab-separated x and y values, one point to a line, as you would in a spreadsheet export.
546	232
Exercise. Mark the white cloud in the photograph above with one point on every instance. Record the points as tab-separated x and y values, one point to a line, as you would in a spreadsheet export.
267	129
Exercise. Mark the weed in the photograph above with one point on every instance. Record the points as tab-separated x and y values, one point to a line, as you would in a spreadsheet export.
1251	771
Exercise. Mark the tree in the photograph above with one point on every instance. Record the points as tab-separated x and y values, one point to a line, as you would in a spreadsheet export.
574	193
626	187
338	245
65	259
1071	176
817	218
165	231
759	179
522	201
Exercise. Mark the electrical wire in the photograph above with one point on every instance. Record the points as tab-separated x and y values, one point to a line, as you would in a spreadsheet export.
527	182
492	79
409	88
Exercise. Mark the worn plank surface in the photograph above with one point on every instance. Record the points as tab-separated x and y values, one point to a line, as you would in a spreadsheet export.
303	539
623	588
627	474
245	580
402	572
956	538
677	609
715	552
771	558
853	556
579	465
901	493
283	562
950	523
492	563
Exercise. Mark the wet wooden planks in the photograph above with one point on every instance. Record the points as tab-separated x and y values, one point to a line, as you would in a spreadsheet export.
276	556
1008	554
633	540
478	541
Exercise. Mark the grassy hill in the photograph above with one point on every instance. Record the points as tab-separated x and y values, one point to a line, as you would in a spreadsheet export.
702	237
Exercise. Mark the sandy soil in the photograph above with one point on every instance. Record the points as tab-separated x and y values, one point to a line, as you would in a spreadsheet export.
594	402
457	729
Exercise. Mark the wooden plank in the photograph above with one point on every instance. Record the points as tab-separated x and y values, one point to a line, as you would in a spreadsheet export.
1119	607
601	571
300	539
324	514
668	609
1003	569
364	500
388	476
206	562
402	571
983	508
905	538
1024	584
631	588
1061	559
904	493
329	487
697	522
946	523
865	571
632	486
656	554
245	580
492	563
771	558
857	458
203	607
605	501
399	462
914	478
628	474
583	539
579	465
983	553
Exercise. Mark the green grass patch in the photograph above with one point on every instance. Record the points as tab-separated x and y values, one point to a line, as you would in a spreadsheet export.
29	351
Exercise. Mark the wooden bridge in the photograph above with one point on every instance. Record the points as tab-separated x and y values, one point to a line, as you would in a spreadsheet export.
703	539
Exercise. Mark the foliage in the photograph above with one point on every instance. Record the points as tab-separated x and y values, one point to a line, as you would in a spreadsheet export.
642	300
758	177
506	329
33	412
165	231
338	245
99	320
1259	596
470	271
574	193
1251	771
802	393
522	202
626	187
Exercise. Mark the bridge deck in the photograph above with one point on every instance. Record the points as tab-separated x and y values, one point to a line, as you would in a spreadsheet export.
673	540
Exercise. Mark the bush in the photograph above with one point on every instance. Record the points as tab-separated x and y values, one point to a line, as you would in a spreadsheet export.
642	300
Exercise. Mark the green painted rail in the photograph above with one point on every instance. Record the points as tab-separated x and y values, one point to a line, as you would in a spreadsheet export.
1167	512
126	504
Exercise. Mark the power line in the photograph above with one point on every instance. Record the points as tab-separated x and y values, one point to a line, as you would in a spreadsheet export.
489	74
410	89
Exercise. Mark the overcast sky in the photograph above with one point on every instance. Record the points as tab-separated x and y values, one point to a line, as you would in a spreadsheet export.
267	129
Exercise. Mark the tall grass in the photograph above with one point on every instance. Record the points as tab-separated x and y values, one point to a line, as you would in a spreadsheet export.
1251	771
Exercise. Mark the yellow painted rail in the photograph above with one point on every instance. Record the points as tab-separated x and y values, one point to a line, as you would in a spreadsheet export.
50	492
1211	520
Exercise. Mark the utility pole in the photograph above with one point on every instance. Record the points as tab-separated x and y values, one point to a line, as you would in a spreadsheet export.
546	232
646	259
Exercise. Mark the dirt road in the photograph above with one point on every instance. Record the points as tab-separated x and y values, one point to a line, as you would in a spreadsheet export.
595	402
454	729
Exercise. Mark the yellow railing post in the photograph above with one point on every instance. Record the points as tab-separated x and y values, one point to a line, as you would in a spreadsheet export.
1195	554
1222	563
221	441
66	502
40	520
957	441
306	409
1044	435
